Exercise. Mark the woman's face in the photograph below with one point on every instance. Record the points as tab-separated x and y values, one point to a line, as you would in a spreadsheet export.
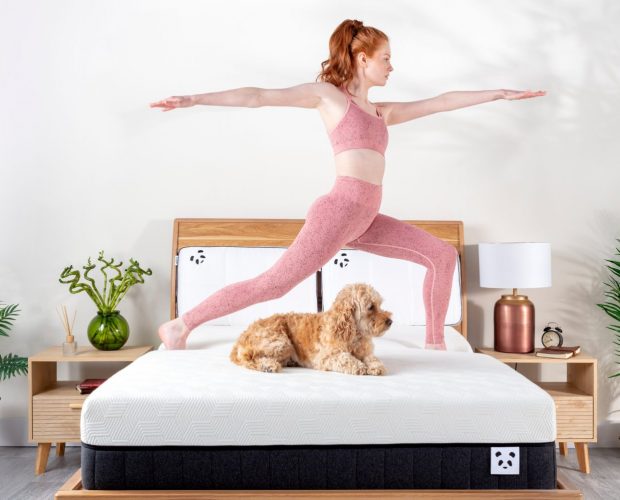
379	66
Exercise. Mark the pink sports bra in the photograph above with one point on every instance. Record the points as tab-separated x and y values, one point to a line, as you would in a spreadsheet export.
359	129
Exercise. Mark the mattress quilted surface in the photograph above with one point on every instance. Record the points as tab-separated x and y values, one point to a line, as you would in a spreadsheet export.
198	397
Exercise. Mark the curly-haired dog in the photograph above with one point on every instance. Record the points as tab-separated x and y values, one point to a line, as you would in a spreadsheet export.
338	340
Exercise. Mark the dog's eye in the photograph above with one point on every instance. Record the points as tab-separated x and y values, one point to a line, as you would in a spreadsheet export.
371	307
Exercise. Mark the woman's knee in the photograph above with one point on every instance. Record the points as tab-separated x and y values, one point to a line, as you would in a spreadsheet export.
453	253
450	255
445	255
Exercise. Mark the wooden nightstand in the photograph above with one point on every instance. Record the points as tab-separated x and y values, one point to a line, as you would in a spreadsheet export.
54	405
575	399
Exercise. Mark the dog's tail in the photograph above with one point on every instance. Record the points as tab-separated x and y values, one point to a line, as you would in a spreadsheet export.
235	354
242	356
250	358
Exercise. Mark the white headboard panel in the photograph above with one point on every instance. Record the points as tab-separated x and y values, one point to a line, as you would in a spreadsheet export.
202	271
241	249
398	281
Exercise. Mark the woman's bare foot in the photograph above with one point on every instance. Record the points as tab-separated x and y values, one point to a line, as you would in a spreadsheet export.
174	334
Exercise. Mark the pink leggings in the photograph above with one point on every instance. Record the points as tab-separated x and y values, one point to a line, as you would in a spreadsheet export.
346	216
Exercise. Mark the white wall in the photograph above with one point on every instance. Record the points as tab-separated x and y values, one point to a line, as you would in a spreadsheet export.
87	165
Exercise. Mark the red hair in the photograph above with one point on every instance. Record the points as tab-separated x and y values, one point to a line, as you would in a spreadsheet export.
349	39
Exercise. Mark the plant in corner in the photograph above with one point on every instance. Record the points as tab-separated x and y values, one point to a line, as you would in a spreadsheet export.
612	306
108	330
11	364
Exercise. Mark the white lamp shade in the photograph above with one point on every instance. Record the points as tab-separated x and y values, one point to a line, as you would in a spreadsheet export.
514	265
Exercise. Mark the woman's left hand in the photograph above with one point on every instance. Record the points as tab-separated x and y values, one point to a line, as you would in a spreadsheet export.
512	95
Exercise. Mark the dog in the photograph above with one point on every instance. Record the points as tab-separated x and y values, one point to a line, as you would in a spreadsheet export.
339	339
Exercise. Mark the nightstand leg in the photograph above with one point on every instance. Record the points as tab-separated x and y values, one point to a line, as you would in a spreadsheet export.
583	457
43	452
563	448
60	449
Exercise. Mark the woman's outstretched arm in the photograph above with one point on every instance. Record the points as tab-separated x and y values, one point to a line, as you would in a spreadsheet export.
399	112
244	97
306	95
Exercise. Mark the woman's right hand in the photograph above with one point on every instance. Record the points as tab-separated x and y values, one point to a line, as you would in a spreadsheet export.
174	102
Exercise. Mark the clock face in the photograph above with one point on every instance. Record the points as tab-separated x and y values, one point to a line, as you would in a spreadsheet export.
551	339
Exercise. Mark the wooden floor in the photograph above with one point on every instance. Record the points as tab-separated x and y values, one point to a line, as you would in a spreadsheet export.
17	479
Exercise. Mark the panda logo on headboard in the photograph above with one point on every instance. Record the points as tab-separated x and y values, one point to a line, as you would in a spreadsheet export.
344	261
199	259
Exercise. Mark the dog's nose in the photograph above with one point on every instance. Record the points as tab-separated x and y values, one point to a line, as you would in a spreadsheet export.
388	321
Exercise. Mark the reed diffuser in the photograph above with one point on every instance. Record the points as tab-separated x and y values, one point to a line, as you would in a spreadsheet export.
69	346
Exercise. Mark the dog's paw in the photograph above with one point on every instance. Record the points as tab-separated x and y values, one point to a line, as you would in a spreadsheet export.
269	366
358	369
375	369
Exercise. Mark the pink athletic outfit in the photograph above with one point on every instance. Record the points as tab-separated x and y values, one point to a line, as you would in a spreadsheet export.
348	215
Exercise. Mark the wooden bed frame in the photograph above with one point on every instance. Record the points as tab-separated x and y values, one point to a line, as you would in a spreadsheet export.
282	232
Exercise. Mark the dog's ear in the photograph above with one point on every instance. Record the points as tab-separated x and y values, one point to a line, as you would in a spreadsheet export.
341	323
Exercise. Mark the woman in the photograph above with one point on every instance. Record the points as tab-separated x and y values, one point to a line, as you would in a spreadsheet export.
349	214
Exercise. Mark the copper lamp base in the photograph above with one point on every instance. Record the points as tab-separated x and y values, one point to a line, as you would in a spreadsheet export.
514	324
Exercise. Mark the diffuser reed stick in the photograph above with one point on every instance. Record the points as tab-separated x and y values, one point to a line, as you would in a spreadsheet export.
69	347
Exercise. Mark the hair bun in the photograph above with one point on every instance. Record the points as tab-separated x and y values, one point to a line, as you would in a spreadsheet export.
356	25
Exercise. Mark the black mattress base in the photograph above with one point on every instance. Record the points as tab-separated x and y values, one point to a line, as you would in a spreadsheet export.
410	466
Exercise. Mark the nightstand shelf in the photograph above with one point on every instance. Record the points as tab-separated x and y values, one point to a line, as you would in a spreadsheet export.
55	405
575	399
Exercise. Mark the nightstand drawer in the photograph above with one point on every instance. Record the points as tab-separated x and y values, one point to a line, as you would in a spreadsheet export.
56	418
574	418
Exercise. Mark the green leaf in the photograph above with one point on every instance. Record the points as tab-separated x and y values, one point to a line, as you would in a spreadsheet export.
11	365
612	310
115	287
614	270
8	314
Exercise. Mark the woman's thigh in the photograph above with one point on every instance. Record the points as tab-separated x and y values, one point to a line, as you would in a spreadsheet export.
391	237
330	222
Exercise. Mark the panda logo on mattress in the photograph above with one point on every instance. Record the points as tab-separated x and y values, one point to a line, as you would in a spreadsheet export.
508	462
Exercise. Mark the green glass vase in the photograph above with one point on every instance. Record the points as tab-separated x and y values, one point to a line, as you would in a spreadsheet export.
108	331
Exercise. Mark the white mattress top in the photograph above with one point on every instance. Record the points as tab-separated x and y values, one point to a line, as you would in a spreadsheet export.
197	397
207	336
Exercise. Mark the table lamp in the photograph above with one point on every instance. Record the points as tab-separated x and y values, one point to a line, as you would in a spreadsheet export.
514	265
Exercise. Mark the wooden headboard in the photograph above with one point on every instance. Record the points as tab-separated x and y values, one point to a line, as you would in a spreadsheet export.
281	233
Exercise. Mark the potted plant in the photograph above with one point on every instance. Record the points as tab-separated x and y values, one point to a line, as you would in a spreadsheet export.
108	330
612	306
11	364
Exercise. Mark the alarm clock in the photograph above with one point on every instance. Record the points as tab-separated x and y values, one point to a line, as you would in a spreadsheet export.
552	335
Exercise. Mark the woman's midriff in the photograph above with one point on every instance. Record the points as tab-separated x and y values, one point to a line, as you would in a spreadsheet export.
365	164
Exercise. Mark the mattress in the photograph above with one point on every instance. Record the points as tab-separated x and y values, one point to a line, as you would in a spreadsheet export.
197	397
314	467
